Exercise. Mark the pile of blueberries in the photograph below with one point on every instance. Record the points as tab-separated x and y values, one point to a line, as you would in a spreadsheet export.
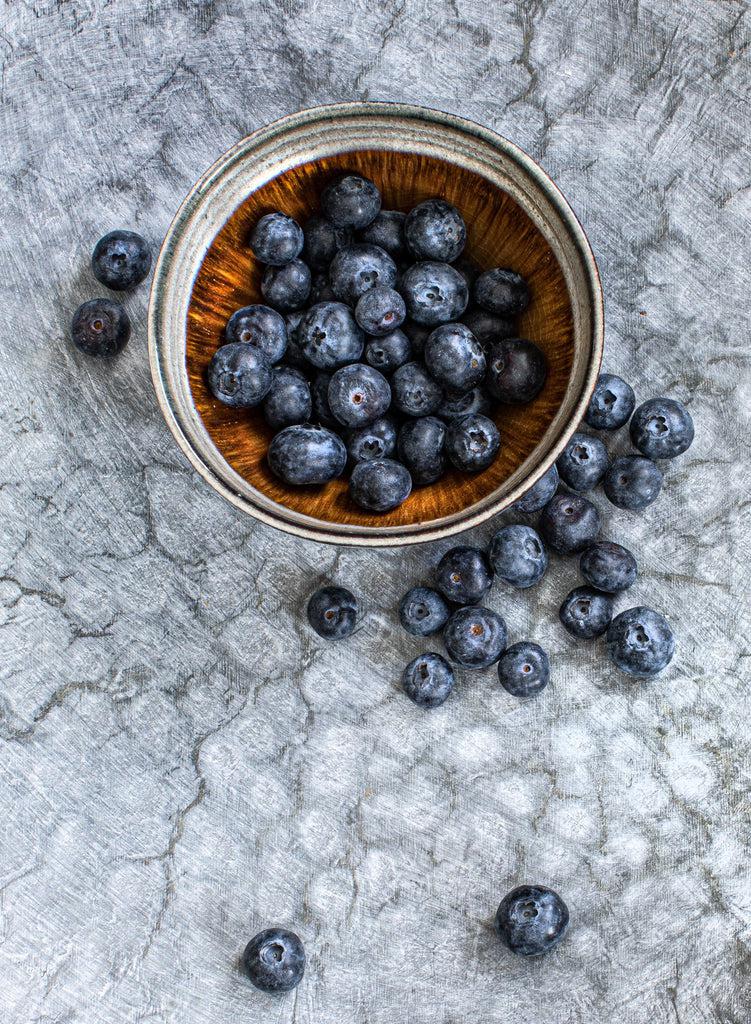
368	350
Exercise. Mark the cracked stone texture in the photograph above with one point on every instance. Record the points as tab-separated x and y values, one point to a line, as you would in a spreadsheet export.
183	763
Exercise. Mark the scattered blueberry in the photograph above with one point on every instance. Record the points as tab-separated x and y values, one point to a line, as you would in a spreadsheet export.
632	482
121	260
487	327
380	310
455	357
524	669
569	523
422	611
274	960
539	493
435	293
358	394
357	268
662	428
502	292
463	575
583	462
319	393
472	442
351	201
421	449
387	232
376	440
608	567
288	287
586	612
261	327
531	920
516	370
100	327
475	637
380	485
640	642
329	336
332	612
323	241
276	239
304	454
320	289
414	392
611	404
288	400
428	680
434	230
388	352
293	354
518	555
417	334
239	375
470	403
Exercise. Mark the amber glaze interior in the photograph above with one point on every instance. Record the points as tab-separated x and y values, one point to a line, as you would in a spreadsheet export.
499	234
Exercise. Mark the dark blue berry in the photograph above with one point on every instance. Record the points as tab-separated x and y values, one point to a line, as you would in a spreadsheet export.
608	567
454	357
239	375
351	201
380	310
320	289
502	292
569	523
422	611
611	404
524	669
357	268
468	269
640	642
100	327
662	428
414	391
516	370
303	454
583	462
417	334
388	352
274	960
376	440
632	482
387	232
121	260
518	555
358	394
276	239
472	442
469	403
435	293
428	680
261	327
323	241
329	336
293	354
539	493
487	327
288	287
332	612
434	230
380	485
531	920
319	393
475	637
421	449
463	575
586	612
288	400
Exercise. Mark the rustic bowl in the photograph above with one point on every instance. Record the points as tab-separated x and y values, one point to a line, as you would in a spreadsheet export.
515	216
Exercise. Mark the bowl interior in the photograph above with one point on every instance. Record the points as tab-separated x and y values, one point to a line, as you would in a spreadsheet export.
500	233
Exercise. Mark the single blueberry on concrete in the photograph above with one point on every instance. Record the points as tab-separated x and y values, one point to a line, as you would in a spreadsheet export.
640	642
288	287
524	669
463	575
632	482
304	454
487	327
472	442
517	370
586	612
503	292
376	440
539	493
100	327
276	239
414	392
358	394
380	310
569	523
351	201
475	637
435	293
609	567
455	357
531	920
468	403
288	400
329	336
323	241
357	268
274	960
583	462
421	449
380	485
332	612
259	326
518	556
387	232
121	260
428	680
434	230
662	428
611	404
388	352
422	611
239	375
319	393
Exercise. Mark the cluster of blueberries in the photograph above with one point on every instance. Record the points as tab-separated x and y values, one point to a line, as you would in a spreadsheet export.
378	345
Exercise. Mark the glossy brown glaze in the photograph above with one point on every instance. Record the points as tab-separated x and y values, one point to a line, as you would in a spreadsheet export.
499	234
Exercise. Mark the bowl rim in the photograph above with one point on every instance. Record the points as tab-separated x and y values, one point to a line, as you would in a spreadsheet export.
163	348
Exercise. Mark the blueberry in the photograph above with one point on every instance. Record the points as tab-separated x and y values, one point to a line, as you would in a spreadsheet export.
380	485
428	680
455	357
586	612
518	555
387	232
475	637
357	268
121	260
583	462
274	960
524	669
487	327
377	440
276	239
569	523
463	575
380	310
608	567
332	612
288	400
358	394
351	201
417	334
516	370
323	241
239	375
611	404
329	336
468	403
662	428
414	392
320	289
434	230
303	454
468	269
388	352
472	443
435	293
640	642
422	611
100	327
502	292
421	449
539	493
531	920
319	393
261	327
288	287
293	354
632	482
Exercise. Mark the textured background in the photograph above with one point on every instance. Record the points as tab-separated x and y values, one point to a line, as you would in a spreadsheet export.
182	762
